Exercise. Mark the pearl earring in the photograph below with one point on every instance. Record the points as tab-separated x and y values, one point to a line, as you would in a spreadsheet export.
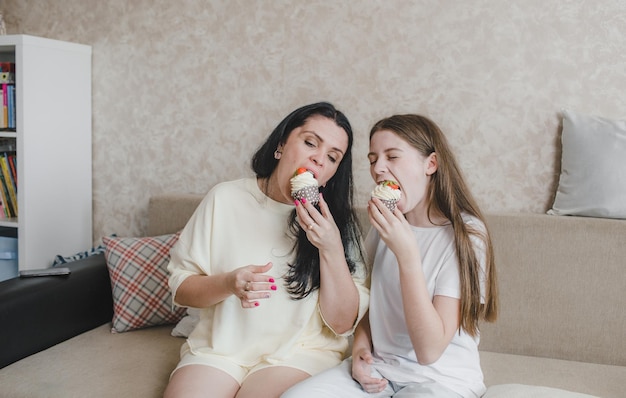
277	154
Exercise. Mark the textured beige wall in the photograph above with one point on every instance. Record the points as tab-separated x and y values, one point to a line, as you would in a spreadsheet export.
184	91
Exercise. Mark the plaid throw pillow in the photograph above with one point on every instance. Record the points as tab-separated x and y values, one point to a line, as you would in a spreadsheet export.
138	270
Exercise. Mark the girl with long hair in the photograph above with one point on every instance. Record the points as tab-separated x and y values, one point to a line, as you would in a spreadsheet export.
433	278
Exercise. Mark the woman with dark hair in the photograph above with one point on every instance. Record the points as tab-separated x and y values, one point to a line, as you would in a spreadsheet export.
280	283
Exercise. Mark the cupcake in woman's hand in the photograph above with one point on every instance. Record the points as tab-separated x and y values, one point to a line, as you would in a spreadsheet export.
305	186
389	193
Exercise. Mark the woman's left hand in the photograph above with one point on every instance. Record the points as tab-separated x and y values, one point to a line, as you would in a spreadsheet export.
338	294
319	226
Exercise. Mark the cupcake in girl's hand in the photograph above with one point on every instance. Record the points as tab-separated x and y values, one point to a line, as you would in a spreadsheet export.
389	193
305	186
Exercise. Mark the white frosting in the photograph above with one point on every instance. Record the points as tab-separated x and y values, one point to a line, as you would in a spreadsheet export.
385	192
303	180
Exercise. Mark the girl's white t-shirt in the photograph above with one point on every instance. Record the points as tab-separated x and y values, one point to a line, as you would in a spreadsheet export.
458	368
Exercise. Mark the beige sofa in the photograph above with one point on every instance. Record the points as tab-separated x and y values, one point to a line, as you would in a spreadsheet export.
561	332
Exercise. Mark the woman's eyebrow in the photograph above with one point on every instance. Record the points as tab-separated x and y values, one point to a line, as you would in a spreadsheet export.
322	140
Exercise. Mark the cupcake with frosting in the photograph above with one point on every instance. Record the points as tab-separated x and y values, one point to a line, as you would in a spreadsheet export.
305	186
389	193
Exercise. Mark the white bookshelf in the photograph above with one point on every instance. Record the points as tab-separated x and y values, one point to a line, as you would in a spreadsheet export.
53	148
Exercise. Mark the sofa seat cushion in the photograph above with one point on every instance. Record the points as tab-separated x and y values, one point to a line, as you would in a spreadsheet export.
97	364
588	378
525	391
101	364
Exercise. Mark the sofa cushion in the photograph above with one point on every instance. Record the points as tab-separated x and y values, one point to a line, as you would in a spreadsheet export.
97	364
593	161
521	372
525	391
137	364
561	287
138	269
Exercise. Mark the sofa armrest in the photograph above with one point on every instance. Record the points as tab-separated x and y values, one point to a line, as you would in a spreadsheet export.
37	313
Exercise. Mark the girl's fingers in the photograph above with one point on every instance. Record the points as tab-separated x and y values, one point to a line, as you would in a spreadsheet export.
376	217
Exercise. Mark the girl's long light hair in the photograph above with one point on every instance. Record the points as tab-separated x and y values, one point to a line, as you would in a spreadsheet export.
448	193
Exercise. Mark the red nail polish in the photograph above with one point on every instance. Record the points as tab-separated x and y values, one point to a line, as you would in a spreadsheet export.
271	280
303	200
273	287
256	303
296	202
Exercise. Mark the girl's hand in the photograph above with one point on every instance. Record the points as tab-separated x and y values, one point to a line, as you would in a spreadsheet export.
362	370
393	228
320	227
250	284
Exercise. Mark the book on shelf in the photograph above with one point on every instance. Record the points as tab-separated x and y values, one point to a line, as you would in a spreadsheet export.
13	167
6	199
8	179
5	123
11	106
8	106
7	82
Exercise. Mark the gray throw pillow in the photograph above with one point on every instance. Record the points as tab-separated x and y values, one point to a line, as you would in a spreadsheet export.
593	167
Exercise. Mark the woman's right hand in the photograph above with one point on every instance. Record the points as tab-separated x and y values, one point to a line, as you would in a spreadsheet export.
362	372
250	284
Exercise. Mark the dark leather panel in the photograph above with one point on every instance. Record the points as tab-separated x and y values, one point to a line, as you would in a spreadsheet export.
37	313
